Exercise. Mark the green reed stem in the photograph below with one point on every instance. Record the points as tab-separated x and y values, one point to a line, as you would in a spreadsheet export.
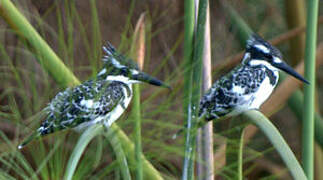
138	53
309	90
193	104
295	103
189	21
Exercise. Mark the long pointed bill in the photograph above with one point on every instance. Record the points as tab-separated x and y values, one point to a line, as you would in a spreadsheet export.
141	76
285	67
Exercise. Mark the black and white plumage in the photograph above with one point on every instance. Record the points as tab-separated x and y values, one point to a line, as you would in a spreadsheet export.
99	100
248	85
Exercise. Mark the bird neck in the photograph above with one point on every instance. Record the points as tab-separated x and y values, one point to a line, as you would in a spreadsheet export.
127	88
270	71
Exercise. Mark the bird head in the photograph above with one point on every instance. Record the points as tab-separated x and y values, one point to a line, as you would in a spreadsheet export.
260	52
119	68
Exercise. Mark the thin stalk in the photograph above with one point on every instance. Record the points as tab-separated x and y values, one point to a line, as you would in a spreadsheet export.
309	90
148	169
233	149
137	120
96	36
120	155
240	157
241	26
277	141
205	134
189	20
295	103
70	32
60	32
84	140
193	105
295	17
138	53
60	72
127	26
318	161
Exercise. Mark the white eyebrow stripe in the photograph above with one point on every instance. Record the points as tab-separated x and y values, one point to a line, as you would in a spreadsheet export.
277	60
134	71
262	48
116	63
106	50
102	72
246	56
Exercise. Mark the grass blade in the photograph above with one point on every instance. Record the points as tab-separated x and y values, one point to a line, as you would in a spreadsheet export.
309	90
295	17
148	170
295	103
242	27
189	20
96	36
138	53
277	141
194	98
83	141
240	157
121	157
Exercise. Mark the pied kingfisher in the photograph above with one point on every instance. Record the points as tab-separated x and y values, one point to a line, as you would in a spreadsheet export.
99	100
249	84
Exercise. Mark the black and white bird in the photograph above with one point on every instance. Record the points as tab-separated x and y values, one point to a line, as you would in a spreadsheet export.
248	85
99	100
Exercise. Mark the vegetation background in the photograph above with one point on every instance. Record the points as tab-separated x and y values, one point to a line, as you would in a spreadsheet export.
76	31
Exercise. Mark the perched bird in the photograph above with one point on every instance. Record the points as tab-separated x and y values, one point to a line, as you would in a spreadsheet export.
248	85
100	100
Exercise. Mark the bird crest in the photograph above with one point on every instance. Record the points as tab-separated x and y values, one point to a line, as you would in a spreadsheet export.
112	58
258	46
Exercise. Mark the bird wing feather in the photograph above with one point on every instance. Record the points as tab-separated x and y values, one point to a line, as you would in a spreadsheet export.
82	104
232	92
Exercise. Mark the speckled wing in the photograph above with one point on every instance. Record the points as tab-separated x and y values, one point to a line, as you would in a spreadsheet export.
233	91
84	103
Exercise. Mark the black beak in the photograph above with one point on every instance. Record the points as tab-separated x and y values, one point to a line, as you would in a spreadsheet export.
289	70
143	77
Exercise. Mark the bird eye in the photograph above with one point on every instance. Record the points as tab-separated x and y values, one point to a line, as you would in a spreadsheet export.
268	56
124	71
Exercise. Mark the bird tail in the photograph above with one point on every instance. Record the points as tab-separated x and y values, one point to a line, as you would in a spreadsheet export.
29	138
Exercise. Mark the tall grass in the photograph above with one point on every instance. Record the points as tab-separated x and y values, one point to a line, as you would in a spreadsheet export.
189	23
295	17
110	154
138	53
309	91
52	63
64	76
194	100
205	154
